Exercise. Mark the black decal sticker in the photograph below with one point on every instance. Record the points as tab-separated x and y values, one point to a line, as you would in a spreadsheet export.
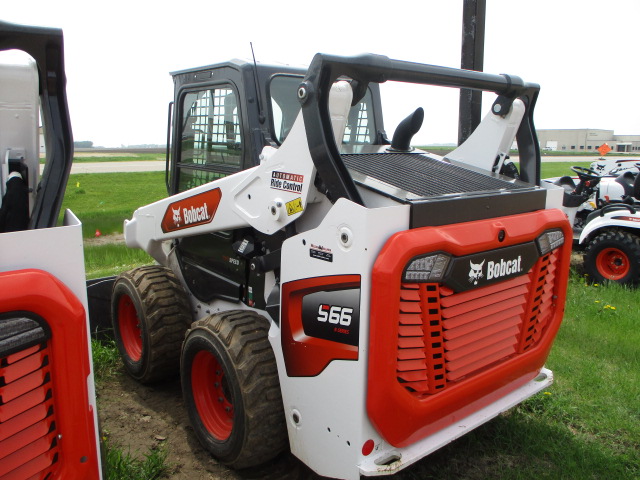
327	257
332	315
321	253
485	268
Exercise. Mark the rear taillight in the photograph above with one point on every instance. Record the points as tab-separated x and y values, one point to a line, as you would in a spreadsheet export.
427	268
550	240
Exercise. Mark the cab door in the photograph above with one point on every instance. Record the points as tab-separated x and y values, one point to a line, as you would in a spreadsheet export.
210	145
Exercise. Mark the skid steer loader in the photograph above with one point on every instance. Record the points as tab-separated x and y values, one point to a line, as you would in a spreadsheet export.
361	301
48	418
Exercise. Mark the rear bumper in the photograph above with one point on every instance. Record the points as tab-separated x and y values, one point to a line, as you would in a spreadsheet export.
390	462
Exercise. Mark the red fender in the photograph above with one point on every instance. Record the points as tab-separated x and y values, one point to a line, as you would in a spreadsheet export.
47	424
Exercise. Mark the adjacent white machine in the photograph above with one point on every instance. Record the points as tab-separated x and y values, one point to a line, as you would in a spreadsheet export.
601	203
48	418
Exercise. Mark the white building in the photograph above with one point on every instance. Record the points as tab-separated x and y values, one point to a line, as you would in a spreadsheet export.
587	139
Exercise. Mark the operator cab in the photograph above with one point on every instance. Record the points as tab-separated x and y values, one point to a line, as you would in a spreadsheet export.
222	121
223	116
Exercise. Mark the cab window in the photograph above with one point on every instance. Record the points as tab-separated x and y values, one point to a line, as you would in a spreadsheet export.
360	128
210	136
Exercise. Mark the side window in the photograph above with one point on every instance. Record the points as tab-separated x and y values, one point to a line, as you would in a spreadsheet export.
284	104
285	108
210	137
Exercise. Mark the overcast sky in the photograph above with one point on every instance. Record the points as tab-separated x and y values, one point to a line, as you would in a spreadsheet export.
583	53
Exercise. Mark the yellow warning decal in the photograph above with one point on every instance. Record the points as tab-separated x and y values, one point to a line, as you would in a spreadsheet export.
294	206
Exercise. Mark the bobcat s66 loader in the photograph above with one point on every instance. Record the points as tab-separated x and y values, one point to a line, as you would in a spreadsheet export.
318	286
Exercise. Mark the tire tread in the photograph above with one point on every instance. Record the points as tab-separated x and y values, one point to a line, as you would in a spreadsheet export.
245	337
623	240
166	310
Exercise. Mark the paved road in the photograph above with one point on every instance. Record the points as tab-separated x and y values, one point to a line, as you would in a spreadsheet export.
111	167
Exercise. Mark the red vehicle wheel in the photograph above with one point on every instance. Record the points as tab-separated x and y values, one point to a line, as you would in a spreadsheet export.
612	264
211	395
613	255
129	326
231	388
149	314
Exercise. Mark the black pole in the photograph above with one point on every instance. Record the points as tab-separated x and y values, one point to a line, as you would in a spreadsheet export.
472	58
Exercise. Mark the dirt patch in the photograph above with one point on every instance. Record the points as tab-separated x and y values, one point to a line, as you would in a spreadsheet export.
105	239
144	417
577	262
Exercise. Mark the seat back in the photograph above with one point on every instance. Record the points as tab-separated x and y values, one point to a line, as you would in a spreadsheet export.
566	182
627	180
636	187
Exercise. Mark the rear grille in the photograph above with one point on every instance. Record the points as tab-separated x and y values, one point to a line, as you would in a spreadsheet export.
444	337
426	177
28	435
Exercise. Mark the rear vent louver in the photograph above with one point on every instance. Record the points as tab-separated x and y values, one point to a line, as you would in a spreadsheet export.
28	436
444	337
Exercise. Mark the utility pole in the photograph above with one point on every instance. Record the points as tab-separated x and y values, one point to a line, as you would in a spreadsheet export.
472	58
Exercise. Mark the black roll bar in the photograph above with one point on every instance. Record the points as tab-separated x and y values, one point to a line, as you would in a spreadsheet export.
324	70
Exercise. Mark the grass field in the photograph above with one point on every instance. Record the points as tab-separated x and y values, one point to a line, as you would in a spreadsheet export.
103	201
587	426
558	169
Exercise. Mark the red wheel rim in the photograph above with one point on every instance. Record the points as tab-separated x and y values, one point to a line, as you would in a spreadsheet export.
211	395
612	264
129	326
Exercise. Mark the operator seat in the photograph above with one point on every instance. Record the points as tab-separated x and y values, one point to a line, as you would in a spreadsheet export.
636	187
627	180
566	182
14	211
340	97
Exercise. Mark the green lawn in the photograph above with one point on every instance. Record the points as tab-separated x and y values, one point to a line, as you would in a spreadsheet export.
103	201
558	169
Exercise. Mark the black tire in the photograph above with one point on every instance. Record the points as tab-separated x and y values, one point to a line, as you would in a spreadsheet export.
149	314
613	256
231	389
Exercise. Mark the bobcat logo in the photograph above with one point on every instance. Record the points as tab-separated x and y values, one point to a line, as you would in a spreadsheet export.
177	219
475	273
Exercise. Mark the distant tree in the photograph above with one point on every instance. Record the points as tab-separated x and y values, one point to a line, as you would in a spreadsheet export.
83	144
